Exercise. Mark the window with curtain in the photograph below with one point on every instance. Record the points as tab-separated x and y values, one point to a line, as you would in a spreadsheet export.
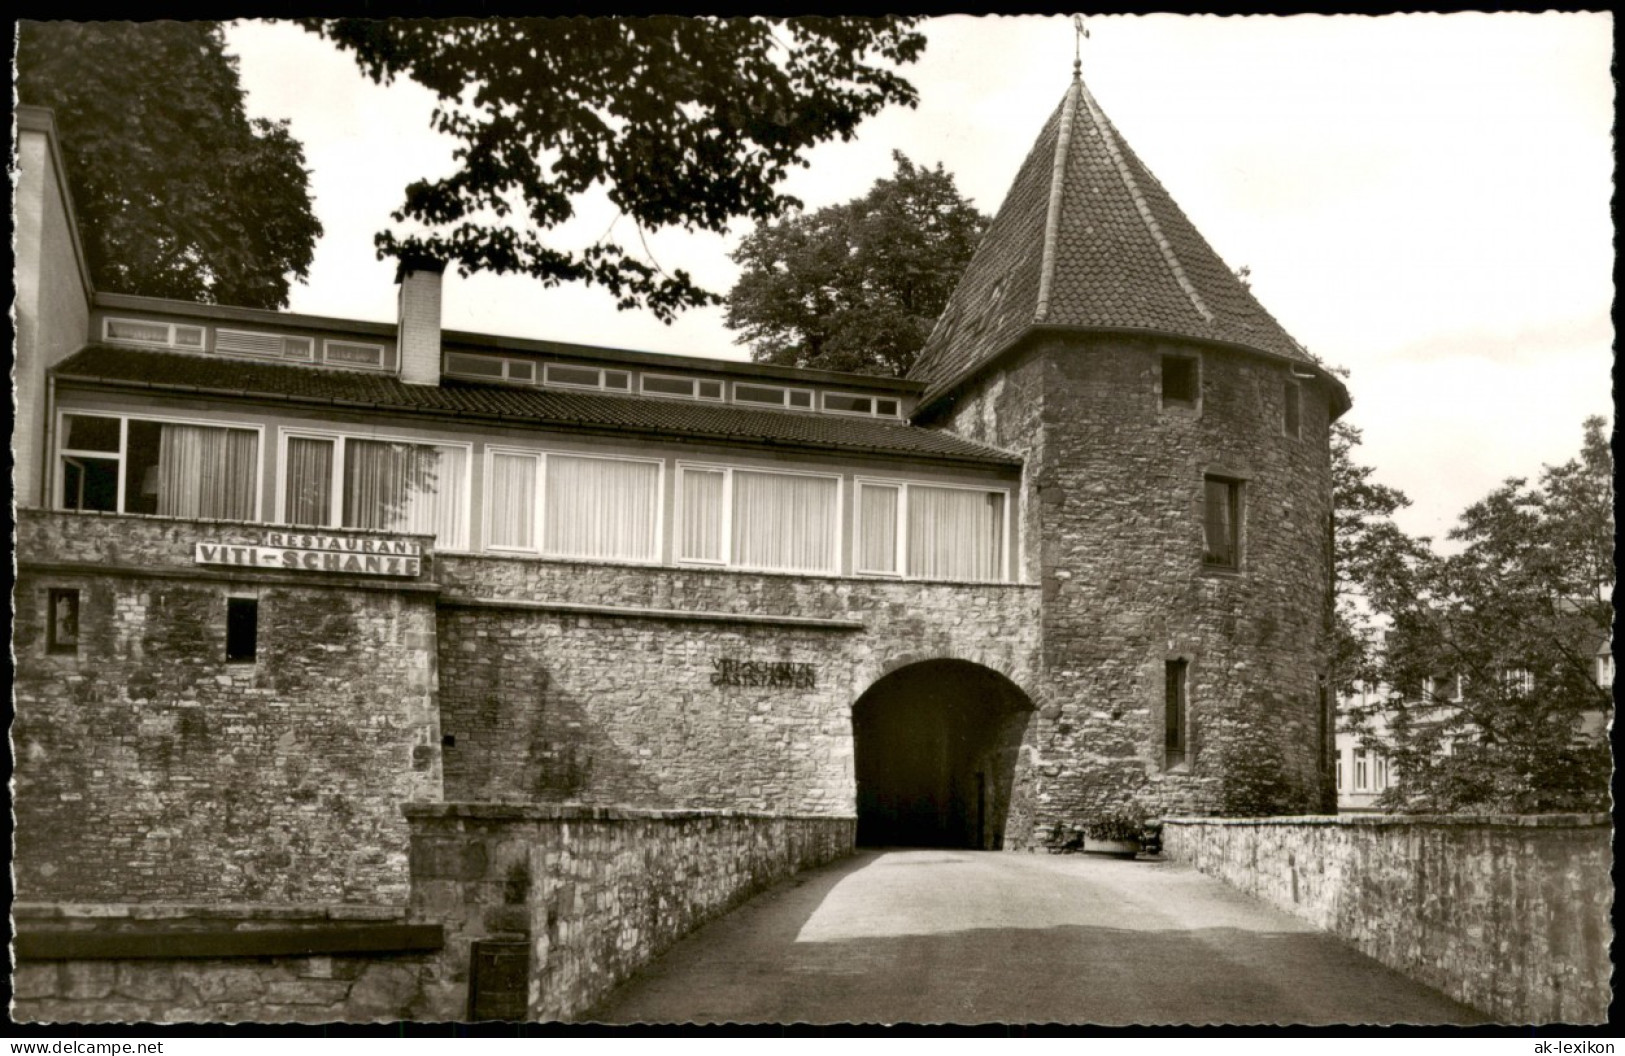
700	535
602	508
308	481
877	528
403	487
513	501
955	533
207	472
785	522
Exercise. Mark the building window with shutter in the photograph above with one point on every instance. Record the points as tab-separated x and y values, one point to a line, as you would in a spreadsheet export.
1221	519
1176	714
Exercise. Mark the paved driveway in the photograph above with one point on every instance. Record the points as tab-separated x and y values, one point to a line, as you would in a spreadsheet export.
921	936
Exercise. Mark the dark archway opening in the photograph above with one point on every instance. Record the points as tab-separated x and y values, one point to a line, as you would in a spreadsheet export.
935	748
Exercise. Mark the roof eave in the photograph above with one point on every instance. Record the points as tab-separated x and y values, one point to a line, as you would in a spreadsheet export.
1001	459
935	394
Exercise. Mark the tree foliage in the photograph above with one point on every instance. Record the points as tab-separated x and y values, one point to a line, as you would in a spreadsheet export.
178	192
686	122
1491	658
856	287
1375	561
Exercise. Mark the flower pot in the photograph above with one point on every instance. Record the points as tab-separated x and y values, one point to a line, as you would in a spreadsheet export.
1111	848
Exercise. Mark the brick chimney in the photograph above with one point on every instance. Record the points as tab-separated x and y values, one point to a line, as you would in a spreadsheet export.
418	330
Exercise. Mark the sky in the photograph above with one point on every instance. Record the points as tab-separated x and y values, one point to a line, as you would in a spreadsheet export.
1423	199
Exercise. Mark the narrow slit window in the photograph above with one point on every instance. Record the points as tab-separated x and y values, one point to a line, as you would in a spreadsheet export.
62	626
1176	713
1221	502
242	629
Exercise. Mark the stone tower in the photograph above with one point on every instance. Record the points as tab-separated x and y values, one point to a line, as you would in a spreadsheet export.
1178	490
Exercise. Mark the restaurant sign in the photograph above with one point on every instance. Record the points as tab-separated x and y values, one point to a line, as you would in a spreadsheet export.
299	552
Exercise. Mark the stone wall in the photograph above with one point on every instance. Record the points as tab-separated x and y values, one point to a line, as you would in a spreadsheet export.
617	705
1508	914
134	988
1114	534
149	768
596	893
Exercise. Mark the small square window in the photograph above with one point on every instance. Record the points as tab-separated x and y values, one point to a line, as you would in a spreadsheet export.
1181	381
62	622
242	629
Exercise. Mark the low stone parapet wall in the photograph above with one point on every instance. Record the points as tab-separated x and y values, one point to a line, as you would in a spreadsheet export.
166	963
1507	914
591	894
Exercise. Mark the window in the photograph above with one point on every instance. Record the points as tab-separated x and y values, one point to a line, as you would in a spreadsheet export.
1379	767
1292	395
1340	771
574	506
686	388
1221	521
602	508
573	377
380	485
782	522
495	368
148	332
353	354
1444	688
62	621
1517	682
271	346
1362	776
930	532
1605	669
873	406
1175	712
242	629
174	469
1181	381
773	395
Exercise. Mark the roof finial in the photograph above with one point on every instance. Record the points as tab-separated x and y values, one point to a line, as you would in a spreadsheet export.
1082	34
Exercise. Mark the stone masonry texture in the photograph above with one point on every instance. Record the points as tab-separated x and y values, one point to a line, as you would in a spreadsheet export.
314	989
150	768
550	707
596	892
1508	914
1113	532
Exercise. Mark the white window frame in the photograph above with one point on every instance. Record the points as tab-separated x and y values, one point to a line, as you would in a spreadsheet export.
169	342
660	509
340	464
727	515
490	494
383	354
784	396
1362	771
505	362
728	518
874	404
63	413
693	388
902	526
281	357
600	387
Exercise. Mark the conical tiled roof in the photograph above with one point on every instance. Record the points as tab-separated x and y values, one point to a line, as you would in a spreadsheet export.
1088	238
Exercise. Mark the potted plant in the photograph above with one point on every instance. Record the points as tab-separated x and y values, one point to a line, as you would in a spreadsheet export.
1117	835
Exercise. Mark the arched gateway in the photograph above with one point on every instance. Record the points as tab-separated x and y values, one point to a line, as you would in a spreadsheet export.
935	747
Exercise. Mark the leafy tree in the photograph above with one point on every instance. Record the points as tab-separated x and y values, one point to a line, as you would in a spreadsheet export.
686	122
856	287
1375	562
1495	705
178	193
